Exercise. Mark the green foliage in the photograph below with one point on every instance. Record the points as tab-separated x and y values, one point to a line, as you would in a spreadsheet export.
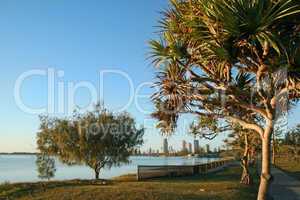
165	116
45	166
205	127
292	141
97	139
236	140
292	137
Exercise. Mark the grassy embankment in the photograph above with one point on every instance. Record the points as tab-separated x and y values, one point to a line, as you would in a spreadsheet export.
290	165
219	186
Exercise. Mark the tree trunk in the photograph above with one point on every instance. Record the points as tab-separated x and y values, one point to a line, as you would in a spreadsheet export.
253	156
97	172
273	150
266	177
246	176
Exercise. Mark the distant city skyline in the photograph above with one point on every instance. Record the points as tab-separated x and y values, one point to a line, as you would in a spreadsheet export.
191	146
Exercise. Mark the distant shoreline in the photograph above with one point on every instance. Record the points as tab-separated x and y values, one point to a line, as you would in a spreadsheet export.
199	156
19	153
34	154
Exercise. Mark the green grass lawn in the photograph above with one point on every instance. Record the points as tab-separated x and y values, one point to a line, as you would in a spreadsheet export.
219	186
289	165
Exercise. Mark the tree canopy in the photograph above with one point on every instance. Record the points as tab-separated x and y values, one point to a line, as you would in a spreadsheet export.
45	166
97	139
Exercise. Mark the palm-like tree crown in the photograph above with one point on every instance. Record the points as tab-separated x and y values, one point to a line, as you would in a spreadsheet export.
220	56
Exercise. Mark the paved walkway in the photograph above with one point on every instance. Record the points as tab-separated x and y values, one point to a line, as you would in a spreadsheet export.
284	187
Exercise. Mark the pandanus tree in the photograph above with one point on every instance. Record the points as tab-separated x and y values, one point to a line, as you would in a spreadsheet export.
205	44
166	120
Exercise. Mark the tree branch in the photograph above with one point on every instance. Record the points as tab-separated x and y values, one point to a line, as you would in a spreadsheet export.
233	119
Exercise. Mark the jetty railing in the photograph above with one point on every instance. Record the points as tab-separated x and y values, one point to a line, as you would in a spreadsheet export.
147	172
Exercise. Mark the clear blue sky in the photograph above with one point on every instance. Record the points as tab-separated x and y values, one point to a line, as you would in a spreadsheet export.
80	38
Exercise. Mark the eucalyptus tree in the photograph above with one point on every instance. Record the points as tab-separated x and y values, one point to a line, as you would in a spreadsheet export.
205	44
292	139
99	139
245	143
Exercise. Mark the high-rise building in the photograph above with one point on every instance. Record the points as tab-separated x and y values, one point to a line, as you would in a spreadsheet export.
171	149
215	150
207	148
184	146
190	148
196	146
150	151
166	146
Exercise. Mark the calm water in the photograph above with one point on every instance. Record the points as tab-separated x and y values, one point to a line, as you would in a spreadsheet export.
17	168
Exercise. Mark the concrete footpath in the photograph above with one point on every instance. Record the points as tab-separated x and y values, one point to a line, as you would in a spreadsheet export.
284	187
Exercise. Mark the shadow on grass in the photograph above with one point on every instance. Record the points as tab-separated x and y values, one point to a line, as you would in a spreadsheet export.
223	185
230	174
21	189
